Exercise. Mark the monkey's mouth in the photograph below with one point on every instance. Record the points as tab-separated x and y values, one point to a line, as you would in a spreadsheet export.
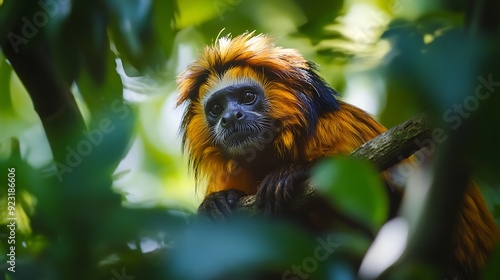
239	138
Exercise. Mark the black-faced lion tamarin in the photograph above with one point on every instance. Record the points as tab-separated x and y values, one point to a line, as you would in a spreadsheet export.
258	116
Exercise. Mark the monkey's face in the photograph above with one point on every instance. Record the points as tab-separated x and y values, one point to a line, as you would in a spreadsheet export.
236	112
244	94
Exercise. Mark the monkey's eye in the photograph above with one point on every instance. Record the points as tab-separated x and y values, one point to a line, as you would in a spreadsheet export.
248	97
215	109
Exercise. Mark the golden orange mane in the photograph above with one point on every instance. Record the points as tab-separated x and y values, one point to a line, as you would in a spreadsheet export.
295	93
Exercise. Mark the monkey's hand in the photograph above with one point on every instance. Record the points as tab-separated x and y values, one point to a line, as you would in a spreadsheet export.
277	188
219	205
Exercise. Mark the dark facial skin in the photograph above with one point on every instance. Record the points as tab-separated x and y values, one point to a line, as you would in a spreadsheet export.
236	115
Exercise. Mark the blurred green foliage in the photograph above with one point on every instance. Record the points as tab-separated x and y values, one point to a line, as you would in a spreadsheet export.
363	197
114	200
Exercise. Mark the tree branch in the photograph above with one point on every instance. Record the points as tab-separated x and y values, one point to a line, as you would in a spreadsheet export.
384	151
396	144
51	96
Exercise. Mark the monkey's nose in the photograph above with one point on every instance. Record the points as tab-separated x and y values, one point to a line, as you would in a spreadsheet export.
231	118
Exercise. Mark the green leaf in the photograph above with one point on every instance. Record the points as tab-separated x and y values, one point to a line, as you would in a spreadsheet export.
163	22
319	14
59	13
67	52
196	12
97	95
5	73
355	188
243	249
134	34
95	43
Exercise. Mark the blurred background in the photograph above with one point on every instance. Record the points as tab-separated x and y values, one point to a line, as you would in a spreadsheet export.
88	120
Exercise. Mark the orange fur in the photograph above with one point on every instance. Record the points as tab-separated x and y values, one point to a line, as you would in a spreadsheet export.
290	88
477	235
282	73
341	132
